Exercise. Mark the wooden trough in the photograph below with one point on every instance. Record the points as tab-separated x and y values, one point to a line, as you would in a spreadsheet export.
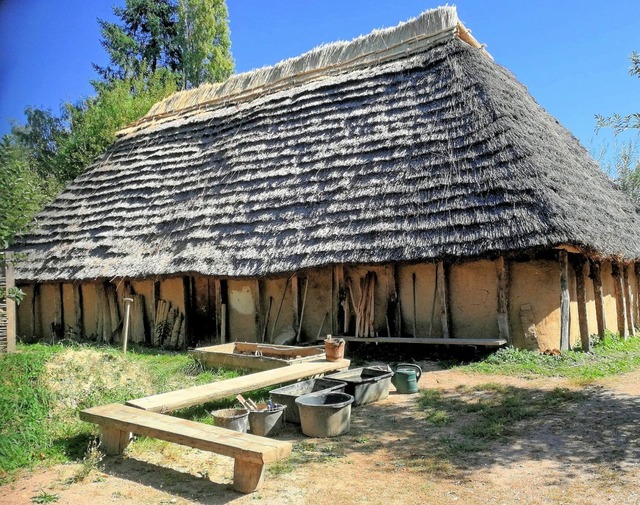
255	356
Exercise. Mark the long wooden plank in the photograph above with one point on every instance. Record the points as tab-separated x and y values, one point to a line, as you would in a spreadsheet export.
197	395
190	433
438	341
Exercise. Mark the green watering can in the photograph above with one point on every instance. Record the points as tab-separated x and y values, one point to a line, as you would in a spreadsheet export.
406	378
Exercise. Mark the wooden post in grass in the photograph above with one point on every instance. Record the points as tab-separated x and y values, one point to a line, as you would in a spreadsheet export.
578	266
565	320
595	274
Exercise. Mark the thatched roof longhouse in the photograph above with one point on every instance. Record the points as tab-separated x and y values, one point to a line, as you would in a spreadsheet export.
436	153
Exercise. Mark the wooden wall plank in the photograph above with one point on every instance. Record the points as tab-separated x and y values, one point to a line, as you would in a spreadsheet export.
629	300
621	305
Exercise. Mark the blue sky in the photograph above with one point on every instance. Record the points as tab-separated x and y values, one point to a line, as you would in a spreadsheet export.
571	54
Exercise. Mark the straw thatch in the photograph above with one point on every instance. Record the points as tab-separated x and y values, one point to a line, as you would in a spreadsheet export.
437	154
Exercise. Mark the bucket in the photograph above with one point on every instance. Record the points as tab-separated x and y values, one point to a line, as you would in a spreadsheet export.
267	422
325	414
406	378
232	419
334	348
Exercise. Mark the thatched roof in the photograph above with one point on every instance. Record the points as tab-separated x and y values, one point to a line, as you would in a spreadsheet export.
428	152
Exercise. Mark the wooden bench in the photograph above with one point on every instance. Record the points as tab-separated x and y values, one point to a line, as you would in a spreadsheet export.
197	395
250	452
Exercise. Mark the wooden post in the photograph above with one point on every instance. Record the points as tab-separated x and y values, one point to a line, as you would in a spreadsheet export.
503	300
443	293
125	332
217	304
578	266
565	310
77	302
247	475
629	300
9	280
636	269
339	303
258	320
595	274
621	306
295	300
398	307
58	325
114	441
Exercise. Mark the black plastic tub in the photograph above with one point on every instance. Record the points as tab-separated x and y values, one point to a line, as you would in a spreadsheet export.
325	414
366	385
287	395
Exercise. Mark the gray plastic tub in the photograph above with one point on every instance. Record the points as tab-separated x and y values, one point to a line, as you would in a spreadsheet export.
325	414
366	385
287	395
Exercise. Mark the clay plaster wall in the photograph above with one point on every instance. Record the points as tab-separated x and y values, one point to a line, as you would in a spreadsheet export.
24	313
281	314
172	290
535	284
473	295
242	296
425	286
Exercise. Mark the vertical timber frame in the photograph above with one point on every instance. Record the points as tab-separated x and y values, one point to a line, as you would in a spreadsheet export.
565	314
443	295
502	270
629	300
596	276
621	305
578	262
295	301
636	269
9	280
339	298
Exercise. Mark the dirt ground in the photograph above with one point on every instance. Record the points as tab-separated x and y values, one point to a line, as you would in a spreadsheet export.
585	452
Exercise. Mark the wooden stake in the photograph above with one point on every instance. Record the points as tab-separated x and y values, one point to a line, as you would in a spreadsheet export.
304	302
565	313
595	274
295	301
125	333
266	320
578	266
223	323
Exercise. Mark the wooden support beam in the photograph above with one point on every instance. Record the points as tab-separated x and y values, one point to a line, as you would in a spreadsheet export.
295	302
258	317
565	310
58	317
621	305
596	277
503	299
77	304
339	301
636	269
217	307
443	294
113	441
9	277
629	300
578	266
397	313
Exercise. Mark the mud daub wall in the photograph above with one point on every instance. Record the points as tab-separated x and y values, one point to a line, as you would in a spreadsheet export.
401	300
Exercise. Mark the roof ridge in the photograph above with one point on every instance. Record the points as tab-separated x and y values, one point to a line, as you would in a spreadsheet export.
405	39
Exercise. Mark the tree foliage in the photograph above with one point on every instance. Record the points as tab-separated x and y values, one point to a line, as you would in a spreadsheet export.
203	39
145	41
620	122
